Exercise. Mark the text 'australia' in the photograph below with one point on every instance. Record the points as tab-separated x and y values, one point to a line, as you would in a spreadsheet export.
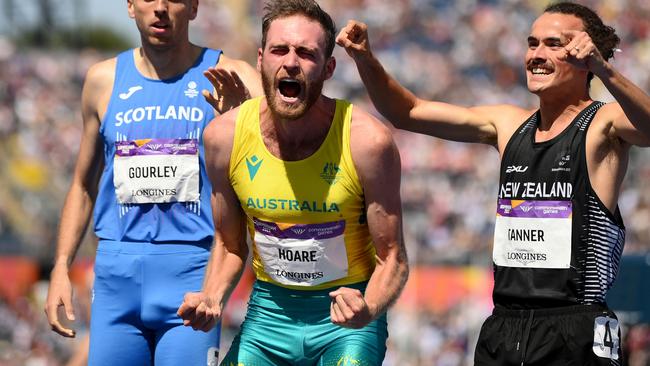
291	205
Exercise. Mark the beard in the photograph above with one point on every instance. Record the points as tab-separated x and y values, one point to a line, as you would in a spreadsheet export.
293	111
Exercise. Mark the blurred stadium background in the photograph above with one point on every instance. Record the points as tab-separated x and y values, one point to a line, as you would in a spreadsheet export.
465	52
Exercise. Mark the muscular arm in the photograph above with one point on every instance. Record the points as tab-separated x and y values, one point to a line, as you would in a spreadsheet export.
80	199
378	166
406	111
628	118
229	253
631	116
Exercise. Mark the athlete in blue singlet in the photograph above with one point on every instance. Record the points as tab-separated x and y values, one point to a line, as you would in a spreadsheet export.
141	164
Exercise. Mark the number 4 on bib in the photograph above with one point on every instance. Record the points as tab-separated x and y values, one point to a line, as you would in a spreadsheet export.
606	337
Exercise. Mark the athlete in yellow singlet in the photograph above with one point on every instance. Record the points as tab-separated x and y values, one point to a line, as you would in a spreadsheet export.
316	183
306	217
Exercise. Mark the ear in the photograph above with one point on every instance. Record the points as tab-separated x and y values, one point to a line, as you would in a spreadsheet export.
330	66
259	60
195	9
131	8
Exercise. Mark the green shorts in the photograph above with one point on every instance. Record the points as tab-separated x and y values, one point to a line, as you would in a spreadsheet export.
292	327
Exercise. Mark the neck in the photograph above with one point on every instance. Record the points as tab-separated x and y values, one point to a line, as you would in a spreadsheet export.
297	139
165	63
561	109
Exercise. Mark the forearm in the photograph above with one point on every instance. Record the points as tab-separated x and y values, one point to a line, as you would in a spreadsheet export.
75	217
223	272
386	283
634	101
390	98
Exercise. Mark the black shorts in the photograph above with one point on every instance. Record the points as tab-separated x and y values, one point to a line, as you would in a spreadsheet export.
575	335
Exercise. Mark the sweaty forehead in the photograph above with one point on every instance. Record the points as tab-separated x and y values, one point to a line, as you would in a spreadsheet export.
552	25
296	30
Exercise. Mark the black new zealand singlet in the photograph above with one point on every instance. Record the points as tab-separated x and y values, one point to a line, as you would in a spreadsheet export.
555	243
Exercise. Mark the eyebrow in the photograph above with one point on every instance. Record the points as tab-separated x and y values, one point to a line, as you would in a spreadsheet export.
548	39
298	48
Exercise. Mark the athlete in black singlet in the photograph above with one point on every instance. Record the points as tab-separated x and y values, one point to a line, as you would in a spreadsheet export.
558	233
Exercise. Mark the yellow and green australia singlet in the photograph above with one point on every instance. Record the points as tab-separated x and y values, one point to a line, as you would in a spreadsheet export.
306	218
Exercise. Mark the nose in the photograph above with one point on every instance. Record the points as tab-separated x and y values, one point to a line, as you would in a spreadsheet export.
161	6
539	52
291	60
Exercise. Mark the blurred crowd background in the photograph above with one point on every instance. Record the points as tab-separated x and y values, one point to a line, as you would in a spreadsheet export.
467	52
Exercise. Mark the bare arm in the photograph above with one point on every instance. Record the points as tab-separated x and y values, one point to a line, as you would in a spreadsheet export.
81	196
630	115
406	111
234	81
203	309
378	165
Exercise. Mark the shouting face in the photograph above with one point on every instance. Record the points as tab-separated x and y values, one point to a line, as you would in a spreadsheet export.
294	66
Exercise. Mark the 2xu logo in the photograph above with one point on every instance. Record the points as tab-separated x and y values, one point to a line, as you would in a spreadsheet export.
516	169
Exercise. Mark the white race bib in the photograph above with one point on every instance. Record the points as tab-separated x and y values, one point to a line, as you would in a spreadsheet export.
606	340
533	234
302	255
156	171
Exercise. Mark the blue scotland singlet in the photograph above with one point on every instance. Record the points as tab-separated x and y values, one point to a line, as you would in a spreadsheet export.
154	187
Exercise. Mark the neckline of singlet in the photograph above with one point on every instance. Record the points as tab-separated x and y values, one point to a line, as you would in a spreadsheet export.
567	129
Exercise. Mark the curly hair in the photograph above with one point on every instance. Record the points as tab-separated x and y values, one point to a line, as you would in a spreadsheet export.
603	36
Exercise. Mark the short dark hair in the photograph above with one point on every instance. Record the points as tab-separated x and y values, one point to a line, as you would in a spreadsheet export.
603	36
275	9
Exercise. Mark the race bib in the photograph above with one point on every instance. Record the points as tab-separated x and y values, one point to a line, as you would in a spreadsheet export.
606	340
302	255
156	171
533	234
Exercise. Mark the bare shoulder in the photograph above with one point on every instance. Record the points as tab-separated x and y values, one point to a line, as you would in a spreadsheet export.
504	115
608	113
230	63
372	146
604	128
242	68
97	89
219	134
368	135
506	118
247	73
101	75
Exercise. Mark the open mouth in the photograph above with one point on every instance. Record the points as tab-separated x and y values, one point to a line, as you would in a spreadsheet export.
160	26
289	88
540	71
539	68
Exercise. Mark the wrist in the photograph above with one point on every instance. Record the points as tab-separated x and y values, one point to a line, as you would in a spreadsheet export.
373	309
61	264
364	57
604	71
